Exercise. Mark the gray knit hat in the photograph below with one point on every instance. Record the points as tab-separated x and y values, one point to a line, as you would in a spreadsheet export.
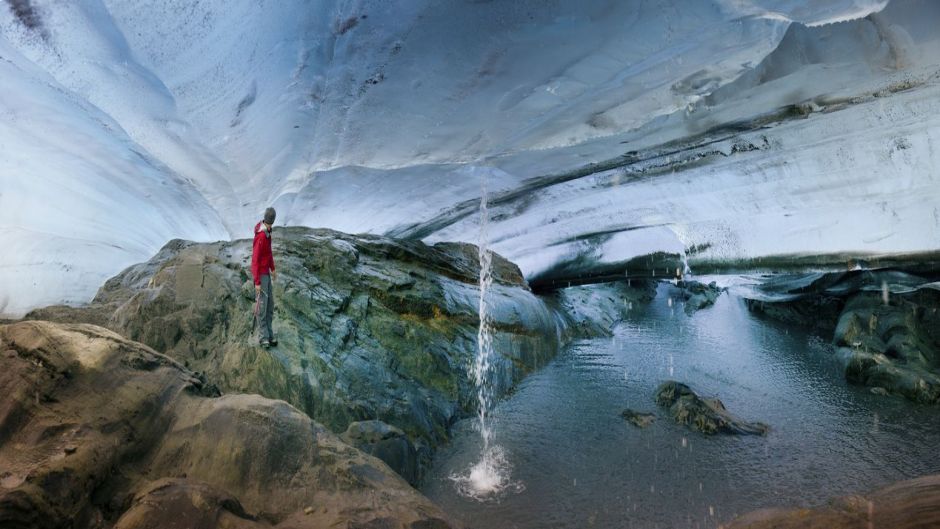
269	216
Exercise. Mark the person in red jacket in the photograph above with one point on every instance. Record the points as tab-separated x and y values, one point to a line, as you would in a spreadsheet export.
263	271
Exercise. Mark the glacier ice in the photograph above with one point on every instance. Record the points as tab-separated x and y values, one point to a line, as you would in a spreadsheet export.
605	129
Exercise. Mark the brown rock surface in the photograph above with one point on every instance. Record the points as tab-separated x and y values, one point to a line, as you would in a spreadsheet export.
911	504
99	431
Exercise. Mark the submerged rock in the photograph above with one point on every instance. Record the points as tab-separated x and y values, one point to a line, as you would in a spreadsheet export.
708	416
912	504
638	418
698	295
369	327
150	447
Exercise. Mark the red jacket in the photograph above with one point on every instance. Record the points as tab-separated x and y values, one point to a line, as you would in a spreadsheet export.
262	260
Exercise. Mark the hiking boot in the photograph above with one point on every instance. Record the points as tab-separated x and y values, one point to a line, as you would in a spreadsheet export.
273	342
265	344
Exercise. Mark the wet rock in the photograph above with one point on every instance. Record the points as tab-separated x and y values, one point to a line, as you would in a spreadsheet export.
818	313
885	324
368	326
708	416
698	295
912	504
638	418
387	443
593	310
893	345
231	461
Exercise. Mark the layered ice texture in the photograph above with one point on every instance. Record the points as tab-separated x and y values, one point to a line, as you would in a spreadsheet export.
605	129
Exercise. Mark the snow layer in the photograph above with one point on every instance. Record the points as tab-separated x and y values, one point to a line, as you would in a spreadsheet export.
602	128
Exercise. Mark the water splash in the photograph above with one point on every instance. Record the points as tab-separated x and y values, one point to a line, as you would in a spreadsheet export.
490	476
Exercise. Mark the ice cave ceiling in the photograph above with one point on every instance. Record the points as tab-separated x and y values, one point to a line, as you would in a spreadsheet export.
603	129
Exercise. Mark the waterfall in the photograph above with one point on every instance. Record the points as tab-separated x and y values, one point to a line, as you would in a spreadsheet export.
490	475
481	364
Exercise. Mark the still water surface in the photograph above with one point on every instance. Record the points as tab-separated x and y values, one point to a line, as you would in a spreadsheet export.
582	465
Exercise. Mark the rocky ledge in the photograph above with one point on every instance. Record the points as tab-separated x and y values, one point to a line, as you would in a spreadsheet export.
885	325
98	431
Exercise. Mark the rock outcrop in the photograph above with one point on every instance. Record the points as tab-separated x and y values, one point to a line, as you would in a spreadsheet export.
885	325
99	431
893	345
912	504
593	310
370	328
708	416
698	295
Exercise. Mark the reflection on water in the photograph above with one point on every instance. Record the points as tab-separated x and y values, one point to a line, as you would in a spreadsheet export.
584	466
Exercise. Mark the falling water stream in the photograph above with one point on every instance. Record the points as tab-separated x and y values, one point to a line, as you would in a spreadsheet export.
490	476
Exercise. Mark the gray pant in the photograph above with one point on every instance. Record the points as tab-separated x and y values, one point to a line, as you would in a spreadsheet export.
266	308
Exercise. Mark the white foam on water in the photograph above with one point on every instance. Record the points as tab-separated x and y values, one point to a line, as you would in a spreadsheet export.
489	478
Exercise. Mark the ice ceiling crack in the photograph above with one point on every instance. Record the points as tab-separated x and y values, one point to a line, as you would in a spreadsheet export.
607	130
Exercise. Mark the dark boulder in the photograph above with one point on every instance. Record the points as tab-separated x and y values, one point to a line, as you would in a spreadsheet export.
698	295
708	416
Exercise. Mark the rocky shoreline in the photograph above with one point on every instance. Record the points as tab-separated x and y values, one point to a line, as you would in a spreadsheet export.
370	328
885	325
376	336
